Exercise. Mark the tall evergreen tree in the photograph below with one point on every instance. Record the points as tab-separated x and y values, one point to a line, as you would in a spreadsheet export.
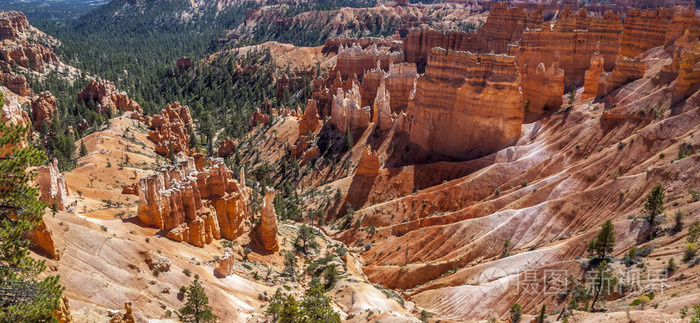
23	297
654	206
603	242
196	309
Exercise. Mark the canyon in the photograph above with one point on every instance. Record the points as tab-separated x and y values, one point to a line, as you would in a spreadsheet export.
438	170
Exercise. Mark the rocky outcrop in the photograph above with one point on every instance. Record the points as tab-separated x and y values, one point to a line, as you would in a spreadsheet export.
131	189
183	63
267	229
592	77
503	27
466	105
644	29
226	147
401	83
12	24
309	121
13	116
355	60
42	239
105	97
543	87
369	163
288	85
192	203
382	108
62	313
27	55
156	262
52	185
258	118
626	70
368	87
346	111
44	108
119	317
224	264
688	78
170	130
16	83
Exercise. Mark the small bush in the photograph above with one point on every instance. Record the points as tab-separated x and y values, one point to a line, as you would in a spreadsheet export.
187	272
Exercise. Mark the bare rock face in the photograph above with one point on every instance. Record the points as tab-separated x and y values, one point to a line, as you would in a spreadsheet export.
194	204
27	55
644	29
626	70
224	265
170	129
369	163
382	108
226	147
504	26
52	185
131	189
543	87
42	238
401	83
688	70
105	97
592	78
309	121
368	87
575	46
16	83
267	230
12	23
355	60
44	108
465	105
13	115
346	111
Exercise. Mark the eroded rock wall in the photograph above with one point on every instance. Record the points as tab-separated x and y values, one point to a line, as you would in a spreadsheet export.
170	130
466	105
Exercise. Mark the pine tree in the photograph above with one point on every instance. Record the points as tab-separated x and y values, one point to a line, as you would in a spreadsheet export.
196	309
654	206
604	282
516	313
24	297
83	149
603	242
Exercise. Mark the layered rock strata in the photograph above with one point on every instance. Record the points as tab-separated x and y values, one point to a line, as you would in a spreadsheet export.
626	70
355	60
194	204
401	83
346	111
543	87
465	105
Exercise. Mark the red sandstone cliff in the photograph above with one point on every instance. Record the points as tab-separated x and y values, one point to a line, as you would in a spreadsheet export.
466	104
43	109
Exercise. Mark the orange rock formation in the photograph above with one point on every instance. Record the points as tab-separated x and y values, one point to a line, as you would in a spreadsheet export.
13	116
626	70
369	163
226	147
543	87
346	111
465	105
170	129
224	265
16	83
592	77
12	23
267	229
105	97
355	60
43	109
194	204
52	185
